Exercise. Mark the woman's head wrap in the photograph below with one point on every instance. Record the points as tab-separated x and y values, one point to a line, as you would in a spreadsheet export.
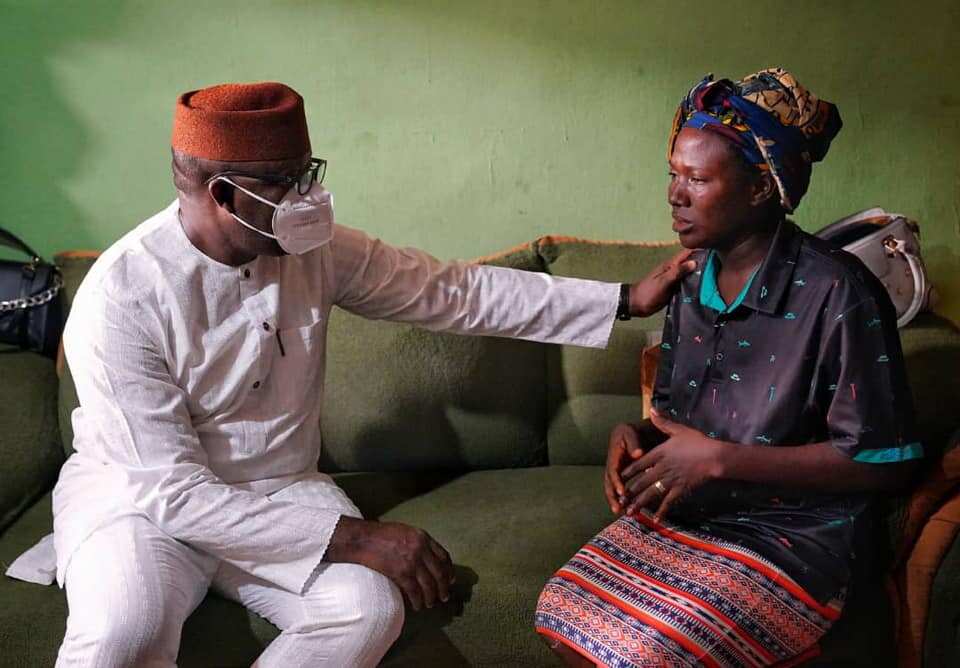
775	122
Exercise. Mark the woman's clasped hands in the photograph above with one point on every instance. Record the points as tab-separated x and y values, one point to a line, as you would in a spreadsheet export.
655	464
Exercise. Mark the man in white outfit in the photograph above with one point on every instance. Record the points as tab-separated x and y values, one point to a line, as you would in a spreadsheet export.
196	343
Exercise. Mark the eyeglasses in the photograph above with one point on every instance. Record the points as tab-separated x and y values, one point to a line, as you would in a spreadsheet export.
313	173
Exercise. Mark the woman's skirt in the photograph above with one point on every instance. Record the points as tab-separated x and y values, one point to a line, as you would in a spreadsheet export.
647	594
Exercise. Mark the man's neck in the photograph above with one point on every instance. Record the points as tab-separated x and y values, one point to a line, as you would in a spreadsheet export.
208	239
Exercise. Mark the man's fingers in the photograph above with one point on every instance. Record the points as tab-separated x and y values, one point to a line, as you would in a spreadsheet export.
428	585
681	257
411	589
677	267
440	566
440	573
443	556
439	550
445	566
684	268
668	500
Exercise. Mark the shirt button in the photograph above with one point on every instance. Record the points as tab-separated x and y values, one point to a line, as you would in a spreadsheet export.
266	326
256	384
246	273
719	357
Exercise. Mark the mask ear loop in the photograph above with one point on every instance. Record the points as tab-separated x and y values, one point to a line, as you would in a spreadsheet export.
240	188
251	194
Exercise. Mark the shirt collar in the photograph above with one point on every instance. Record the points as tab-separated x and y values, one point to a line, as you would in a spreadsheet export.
768	285
710	291
776	271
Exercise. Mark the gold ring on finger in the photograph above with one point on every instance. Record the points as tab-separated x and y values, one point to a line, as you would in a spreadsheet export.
660	487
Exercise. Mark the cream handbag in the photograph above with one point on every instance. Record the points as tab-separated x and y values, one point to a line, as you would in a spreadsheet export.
889	244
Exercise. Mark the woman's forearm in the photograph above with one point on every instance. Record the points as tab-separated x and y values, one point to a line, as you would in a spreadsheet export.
817	466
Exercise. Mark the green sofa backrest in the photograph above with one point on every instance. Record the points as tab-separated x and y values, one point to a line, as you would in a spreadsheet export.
402	398
591	390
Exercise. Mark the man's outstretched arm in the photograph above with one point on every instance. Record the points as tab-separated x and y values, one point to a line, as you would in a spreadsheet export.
376	280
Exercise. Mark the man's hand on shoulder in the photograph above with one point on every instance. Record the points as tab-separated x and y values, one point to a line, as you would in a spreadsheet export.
407	555
652	292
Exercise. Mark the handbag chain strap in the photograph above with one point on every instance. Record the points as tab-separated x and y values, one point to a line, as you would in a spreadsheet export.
39	299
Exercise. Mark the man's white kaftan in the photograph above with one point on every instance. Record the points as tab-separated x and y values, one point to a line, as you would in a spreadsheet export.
200	384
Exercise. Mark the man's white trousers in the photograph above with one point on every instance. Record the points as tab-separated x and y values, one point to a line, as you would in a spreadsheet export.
130	587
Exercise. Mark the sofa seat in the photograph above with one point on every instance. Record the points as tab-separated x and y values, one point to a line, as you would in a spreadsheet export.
507	530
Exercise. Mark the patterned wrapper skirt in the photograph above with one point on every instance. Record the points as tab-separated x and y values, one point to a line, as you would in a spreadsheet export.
648	594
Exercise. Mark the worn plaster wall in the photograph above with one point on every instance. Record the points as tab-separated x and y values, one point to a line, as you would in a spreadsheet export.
464	126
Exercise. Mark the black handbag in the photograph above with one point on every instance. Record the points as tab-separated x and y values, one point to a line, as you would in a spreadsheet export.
31	305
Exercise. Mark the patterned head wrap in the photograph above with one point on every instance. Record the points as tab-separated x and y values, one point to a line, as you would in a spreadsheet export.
778	124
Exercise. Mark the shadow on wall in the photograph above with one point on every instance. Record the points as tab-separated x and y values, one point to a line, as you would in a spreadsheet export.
43	140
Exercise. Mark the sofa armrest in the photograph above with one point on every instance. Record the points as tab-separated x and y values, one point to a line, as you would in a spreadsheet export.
30	453
930	573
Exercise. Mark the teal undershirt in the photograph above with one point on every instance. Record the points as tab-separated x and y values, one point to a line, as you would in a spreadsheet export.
710	291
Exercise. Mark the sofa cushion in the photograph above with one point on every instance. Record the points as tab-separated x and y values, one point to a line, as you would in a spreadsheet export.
507	531
30	454
402	398
32	618
576	371
580	428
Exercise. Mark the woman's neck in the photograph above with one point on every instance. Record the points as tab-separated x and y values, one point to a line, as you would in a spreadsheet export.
744	253
740	258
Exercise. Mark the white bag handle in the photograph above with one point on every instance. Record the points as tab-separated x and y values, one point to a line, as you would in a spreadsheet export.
895	245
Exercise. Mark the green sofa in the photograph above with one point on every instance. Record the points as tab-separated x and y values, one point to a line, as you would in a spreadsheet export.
493	446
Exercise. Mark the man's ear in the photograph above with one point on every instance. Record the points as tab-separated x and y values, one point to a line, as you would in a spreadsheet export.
764	188
222	194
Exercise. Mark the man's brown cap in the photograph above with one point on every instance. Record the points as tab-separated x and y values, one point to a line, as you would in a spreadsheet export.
238	122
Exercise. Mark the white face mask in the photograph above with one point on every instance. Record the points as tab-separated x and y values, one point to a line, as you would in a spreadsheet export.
300	223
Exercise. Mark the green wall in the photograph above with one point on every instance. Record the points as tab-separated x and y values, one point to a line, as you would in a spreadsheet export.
467	126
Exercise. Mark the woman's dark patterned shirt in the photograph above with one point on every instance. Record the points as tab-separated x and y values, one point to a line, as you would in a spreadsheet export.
808	352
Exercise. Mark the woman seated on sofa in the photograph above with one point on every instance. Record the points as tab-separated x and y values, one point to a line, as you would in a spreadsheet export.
780	407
